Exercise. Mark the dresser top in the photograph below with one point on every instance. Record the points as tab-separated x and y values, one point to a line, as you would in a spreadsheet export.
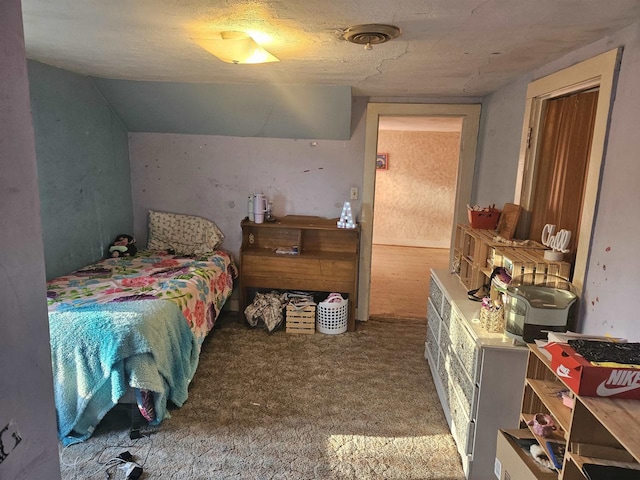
302	222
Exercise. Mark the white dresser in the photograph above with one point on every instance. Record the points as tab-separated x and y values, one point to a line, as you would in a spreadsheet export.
479	376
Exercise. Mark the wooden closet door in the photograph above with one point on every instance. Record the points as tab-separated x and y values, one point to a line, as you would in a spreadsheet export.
561	169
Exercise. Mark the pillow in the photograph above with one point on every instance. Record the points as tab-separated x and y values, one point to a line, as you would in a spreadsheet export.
185	234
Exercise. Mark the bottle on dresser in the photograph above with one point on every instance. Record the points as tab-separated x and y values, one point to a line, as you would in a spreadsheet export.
250	209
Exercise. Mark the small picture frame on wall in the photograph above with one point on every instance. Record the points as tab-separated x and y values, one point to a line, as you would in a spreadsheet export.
382	161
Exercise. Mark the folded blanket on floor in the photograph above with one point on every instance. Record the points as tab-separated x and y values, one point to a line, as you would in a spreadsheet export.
100	350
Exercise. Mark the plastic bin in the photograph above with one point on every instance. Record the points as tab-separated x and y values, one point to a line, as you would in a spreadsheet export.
484	219
332	314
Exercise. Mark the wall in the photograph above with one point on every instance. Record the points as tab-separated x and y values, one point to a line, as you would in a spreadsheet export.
26	385
608	304
414	198
211	176
83	169
499	144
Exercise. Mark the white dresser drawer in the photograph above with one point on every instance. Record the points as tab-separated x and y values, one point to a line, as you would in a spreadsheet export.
464	346
465	390
443	375
432	344
462	428
446	313
436	295
432	313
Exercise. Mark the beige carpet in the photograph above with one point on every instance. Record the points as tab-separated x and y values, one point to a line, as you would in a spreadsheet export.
281	406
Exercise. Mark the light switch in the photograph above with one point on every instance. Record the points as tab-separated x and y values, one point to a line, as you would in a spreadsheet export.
354	193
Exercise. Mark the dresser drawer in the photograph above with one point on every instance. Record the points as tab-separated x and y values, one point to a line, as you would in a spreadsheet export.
432	346
446	313
444	377
464	346
462	428
444	341
436	295
298	267
465	390
433	316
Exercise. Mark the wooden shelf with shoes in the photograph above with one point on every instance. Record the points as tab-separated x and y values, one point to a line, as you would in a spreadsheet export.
599	434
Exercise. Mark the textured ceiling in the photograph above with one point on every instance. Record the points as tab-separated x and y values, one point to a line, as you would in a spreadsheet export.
447	47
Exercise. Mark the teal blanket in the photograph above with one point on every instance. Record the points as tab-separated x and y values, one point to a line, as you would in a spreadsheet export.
100	350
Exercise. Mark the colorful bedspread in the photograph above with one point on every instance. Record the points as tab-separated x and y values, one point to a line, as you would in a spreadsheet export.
108	333
198	285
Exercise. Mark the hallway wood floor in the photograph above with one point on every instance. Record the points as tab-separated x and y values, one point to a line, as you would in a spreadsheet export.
400	280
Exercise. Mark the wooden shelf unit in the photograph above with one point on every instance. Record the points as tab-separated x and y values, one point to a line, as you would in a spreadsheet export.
597	430
478	253
327	259
471	250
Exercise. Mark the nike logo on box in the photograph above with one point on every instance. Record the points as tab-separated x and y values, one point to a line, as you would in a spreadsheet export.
619	381
604	391
563	371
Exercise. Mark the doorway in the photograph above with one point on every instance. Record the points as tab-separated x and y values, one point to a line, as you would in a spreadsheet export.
565	145
470	115
415	186
599	73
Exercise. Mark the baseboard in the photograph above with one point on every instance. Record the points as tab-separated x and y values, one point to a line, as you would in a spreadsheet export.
232	305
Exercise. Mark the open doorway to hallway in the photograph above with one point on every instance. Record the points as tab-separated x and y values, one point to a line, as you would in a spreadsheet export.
414	203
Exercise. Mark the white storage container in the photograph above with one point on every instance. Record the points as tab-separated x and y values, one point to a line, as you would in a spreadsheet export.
332	314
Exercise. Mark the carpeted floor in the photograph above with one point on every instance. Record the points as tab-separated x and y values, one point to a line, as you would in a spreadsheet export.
359	405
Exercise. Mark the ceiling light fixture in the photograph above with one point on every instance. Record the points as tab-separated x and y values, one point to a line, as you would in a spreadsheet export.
235	47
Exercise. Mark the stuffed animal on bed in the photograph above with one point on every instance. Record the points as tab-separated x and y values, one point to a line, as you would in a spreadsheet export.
123	246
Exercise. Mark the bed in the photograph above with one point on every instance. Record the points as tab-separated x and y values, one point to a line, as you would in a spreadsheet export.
132	327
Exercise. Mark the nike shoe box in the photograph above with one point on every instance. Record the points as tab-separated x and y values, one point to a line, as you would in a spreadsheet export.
588	380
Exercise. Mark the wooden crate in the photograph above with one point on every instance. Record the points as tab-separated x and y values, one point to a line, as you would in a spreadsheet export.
488	236
471	277
301	320
530	265
477	253
479	245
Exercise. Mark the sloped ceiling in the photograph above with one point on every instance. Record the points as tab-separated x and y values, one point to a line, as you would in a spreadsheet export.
321	112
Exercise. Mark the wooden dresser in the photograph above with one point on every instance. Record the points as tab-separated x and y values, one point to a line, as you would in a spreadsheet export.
327	258
477	374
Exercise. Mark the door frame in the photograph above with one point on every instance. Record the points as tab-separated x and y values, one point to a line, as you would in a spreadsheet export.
599	71
470	114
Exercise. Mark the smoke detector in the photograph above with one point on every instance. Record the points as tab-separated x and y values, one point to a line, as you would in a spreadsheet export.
371	34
